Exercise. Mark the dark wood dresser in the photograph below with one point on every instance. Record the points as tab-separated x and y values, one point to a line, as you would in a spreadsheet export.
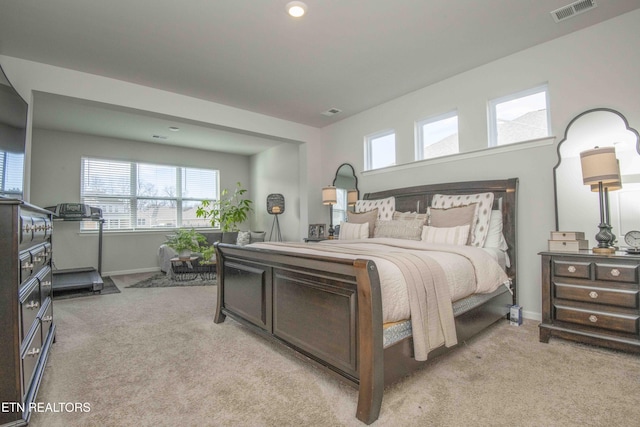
26	308
591	298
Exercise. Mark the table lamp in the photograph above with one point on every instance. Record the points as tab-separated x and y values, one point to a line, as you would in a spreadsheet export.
330	197
600	169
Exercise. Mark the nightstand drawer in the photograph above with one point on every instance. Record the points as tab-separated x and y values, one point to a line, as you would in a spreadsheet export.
575	269
617	273
616	297
597	319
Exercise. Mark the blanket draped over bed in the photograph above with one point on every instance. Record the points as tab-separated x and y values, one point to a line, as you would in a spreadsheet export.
427	287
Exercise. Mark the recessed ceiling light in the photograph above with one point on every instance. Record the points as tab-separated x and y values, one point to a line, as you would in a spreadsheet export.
296	8
174	128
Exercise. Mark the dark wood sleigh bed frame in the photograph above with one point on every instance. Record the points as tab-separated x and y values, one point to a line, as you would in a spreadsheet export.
329	310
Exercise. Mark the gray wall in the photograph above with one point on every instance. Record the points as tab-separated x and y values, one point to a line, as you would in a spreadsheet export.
277	171
595	67
55	178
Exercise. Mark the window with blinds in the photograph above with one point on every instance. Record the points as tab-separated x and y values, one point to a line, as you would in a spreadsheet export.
142	196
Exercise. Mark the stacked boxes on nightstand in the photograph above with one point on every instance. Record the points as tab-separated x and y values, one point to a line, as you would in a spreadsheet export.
567	241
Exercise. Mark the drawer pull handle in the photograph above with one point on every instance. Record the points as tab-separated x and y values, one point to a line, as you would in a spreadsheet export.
26	266
593	294
571	269
32	305
33	352
47	318
615	272
45	283
593	318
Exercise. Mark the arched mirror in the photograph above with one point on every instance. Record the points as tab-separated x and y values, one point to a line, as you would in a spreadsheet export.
577	207
346	184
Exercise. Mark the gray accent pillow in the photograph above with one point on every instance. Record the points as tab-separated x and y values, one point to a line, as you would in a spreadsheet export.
400	229
453	217
360	218
257	236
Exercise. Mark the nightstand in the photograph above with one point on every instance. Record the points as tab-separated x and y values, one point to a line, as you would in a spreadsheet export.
591	298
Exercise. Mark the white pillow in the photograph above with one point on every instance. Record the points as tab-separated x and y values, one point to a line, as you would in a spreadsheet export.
386	207
447	235
495	238
351	231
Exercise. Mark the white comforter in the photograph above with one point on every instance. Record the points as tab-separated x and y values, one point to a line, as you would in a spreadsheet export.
468	269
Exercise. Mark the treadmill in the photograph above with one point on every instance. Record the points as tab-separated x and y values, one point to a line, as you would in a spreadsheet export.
82	277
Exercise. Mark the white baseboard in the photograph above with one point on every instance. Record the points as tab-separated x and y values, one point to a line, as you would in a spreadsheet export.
123	272
532	315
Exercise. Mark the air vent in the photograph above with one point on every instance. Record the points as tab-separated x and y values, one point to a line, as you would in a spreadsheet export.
331	111
573	9
159	137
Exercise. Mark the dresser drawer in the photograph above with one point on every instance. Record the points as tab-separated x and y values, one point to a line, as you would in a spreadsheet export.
45	278
616	297
597	319
617	273
30	356
26	266
46	319
569	268
29	305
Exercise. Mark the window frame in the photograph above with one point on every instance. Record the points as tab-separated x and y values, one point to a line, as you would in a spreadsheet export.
419	132
492	119
368	149
133	197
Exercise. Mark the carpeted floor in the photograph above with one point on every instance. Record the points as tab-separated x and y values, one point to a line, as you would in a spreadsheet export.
109	288
154	357
162	280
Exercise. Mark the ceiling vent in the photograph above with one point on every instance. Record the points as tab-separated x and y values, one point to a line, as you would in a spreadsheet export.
331	111
573	9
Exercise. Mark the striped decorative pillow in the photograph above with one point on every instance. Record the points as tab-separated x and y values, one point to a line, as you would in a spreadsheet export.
447	235
350	231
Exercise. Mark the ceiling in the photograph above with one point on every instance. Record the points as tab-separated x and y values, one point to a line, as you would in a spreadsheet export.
346	54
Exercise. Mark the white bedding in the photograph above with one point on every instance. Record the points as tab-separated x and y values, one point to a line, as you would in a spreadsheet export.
468	269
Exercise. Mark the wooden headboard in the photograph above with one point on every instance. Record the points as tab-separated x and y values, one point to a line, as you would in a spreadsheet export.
418	198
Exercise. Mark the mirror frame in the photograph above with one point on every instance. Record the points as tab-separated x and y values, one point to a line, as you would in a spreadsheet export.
353	172
566	134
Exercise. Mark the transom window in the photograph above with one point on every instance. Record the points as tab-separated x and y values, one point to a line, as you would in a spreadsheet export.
142	196
380	150
518	117
437	136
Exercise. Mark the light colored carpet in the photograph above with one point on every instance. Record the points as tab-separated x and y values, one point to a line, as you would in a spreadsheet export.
163	280
154	357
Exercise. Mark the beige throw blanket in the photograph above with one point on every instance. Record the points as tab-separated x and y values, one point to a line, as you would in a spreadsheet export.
432	319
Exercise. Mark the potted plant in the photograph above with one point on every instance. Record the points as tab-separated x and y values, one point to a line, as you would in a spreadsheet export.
185	241
228	211
208	255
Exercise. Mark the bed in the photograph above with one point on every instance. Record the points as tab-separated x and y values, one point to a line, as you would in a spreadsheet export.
329	302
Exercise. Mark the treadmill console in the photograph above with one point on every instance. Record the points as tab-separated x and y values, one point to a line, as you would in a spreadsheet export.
75	211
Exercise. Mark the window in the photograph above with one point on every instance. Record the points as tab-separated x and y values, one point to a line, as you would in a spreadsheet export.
380	150
137	196
437	136
11	168
519	117
340	208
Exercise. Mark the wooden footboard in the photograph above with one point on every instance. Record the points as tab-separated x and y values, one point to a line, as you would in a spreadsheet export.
326	309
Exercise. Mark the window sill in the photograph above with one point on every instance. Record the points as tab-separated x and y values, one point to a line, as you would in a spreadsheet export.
524	145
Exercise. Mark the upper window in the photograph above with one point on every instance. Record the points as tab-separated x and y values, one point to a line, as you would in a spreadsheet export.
519	117
437	136
136	196
380	150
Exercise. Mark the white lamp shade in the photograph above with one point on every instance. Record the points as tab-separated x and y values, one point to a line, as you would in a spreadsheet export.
352	197
599	165
329	195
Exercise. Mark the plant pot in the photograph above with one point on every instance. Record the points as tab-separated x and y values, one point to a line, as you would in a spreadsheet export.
184	254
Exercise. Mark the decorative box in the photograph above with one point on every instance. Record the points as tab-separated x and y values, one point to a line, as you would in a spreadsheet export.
567	235
568	245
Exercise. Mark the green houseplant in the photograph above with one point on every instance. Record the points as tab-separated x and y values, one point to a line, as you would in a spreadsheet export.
186	241
228	211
